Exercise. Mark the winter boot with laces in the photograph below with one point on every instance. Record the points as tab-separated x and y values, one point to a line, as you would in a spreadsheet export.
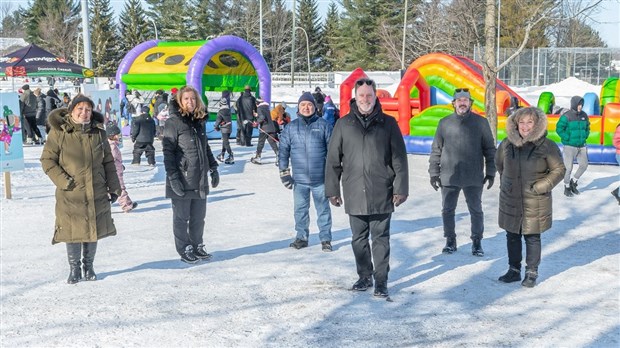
513	275
530	278
188	255
201	252
450	246
230	160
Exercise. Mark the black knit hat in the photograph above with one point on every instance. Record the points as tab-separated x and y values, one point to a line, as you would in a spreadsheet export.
112	129
80	98
307	96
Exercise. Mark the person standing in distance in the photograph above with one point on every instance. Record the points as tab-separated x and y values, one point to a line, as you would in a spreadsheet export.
462	149
574	129
189	162
367	152
304	141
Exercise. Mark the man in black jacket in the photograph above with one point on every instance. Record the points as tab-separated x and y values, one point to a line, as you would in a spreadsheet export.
463	146
246	110
367	152
143	135
267	131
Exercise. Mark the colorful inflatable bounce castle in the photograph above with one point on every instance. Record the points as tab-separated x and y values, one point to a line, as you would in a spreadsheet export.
424	97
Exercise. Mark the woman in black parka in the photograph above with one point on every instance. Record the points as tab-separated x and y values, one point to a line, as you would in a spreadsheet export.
189	162
530	166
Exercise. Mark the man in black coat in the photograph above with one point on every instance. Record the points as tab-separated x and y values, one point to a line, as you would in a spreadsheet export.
367	152
463	146
246	110
143	135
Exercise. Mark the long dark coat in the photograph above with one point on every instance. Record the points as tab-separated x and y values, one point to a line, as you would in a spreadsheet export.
187	155
83	213
529	169
371	161
264	118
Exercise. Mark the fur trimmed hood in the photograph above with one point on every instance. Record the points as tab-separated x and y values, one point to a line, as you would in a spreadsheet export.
538	132
60	119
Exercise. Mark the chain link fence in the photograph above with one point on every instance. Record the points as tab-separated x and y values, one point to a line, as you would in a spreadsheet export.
544	66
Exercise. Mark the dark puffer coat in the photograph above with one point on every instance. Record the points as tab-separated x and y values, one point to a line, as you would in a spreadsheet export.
224	119
371	160
304	141
83	153
264	118
187	155
529	169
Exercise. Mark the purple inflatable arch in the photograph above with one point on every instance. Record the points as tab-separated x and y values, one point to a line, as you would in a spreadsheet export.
232	43
129	58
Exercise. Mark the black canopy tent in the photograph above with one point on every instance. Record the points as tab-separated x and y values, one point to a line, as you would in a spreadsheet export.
32	60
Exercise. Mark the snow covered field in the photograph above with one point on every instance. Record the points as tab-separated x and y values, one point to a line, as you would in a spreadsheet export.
258	292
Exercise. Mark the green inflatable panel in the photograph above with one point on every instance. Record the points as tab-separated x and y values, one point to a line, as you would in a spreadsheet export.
546	101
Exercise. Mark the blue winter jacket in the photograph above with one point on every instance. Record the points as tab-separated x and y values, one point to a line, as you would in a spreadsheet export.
305	141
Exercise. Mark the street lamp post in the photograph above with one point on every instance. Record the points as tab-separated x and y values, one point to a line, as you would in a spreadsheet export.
260	39
499	14
308	51
293	50
77	49
154	26
402	59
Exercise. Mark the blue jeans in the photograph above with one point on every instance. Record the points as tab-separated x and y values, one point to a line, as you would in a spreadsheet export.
301	198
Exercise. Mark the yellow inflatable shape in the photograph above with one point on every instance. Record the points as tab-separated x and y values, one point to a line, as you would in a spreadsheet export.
176	59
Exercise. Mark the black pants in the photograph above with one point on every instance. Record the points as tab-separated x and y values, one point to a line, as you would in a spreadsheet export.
139	148
247	134
226	144
261	143
32	129
188	222
532	250
240	132
473	197
378	227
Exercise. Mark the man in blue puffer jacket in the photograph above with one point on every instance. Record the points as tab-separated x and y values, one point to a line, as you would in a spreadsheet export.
304	141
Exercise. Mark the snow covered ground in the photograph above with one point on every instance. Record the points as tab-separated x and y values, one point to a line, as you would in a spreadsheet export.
258	292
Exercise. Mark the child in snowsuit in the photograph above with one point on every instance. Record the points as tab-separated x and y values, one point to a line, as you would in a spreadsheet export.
113	133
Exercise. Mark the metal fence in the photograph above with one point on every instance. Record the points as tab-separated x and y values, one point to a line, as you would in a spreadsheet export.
543	66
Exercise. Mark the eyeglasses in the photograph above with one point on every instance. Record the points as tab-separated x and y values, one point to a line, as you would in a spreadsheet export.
364	81
461	90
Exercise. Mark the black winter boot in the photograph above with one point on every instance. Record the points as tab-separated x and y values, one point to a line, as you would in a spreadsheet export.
513	275
573	186
74	251
230	159
615	194
87	262
450	246
567	191
530	278
476	247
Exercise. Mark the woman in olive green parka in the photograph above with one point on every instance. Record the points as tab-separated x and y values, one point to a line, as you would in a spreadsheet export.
530	166
78	160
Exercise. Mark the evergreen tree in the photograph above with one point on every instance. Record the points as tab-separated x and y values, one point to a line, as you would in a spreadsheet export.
332	36
172	18
12	24
361	36
103	38
219	11
201	19
308	19
134	29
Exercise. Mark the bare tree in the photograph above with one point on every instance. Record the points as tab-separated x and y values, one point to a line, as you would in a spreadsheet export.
429	29
58	31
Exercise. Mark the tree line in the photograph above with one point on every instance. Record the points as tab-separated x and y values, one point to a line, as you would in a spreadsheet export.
353	33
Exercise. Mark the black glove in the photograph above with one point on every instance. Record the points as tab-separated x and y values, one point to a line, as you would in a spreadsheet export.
215	178
286	178
70	184
490	179
177	187
113	197
398	199
435	182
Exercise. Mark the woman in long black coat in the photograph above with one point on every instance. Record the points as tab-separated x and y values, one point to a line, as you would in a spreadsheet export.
189	162
530	166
